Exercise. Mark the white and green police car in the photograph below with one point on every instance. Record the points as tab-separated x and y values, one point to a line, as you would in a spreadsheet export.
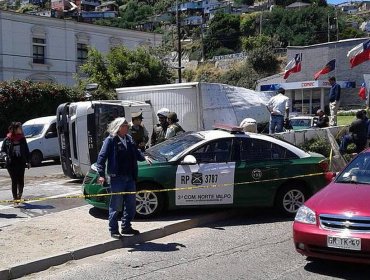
221	168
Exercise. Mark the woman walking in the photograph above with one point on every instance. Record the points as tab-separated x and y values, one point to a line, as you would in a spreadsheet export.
17	158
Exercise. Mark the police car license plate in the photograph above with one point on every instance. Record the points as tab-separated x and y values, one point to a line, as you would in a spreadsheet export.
346	243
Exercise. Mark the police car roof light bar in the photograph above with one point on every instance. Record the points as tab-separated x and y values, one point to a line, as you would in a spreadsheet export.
228	127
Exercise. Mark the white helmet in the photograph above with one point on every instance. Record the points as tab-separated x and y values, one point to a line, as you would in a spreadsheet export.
163	112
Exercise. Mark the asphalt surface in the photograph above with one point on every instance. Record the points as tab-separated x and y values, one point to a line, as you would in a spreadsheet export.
254	245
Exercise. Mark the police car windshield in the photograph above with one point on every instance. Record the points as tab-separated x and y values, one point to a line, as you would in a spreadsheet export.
174	146
32	130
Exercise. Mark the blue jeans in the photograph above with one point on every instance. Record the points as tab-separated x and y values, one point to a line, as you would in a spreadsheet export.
276	123
126	202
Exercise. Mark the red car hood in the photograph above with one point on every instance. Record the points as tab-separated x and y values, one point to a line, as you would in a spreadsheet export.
339	198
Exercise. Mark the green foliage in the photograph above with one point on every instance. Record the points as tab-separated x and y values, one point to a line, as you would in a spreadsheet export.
259	41
223	32
122	67
317	145
27	8
350	32
249	24
241	75
300	26
263	60
244	2
130	15
24	100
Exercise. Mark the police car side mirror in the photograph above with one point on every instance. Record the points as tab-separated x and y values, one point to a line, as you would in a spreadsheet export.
189	159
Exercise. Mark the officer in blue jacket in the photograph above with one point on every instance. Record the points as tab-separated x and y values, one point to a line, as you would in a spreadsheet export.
121	155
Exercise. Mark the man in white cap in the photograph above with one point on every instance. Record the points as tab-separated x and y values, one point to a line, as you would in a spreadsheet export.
160	129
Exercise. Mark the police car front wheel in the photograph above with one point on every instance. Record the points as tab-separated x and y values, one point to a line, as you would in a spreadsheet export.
290	198
148	202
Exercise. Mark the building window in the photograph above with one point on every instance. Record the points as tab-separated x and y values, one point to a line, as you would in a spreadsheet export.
82	51
38	50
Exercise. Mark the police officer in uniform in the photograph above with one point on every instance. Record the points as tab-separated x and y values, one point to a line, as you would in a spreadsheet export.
159	130
137	131
173	127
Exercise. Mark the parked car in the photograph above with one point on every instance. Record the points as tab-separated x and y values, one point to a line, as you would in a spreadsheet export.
303	122
42	140
335	223
221	168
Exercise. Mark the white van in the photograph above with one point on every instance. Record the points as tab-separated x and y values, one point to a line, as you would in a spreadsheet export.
42	139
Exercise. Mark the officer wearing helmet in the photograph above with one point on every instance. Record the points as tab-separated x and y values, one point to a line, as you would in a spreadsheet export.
173	127
160	129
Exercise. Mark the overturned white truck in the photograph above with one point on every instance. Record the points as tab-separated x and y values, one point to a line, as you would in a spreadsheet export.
201	105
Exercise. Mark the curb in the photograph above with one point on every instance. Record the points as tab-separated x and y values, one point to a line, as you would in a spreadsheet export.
80	253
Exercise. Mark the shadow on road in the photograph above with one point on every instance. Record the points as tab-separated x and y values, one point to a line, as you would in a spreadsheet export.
339	269
10	216
35	206
158	247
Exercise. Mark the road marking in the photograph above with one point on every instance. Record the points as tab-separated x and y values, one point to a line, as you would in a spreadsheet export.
3	207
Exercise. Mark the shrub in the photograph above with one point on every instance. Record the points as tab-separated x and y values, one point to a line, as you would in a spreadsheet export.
24	100
317	145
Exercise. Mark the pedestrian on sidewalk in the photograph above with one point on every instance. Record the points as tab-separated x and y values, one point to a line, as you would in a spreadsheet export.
334	100
121	154
278	106
17	158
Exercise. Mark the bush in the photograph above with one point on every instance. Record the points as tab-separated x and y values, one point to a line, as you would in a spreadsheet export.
24	100
317	145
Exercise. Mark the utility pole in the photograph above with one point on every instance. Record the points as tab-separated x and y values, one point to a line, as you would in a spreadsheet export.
201	35
337	26
328	29
178	40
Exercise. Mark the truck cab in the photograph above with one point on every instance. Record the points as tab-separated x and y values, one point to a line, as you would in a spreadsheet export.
82	128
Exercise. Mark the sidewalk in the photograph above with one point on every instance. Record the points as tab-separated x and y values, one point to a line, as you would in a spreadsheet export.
36	244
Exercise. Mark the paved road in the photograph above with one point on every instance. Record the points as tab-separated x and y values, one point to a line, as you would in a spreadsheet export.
46	181
252	246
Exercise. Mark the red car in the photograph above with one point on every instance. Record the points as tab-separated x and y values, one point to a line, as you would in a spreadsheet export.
335	223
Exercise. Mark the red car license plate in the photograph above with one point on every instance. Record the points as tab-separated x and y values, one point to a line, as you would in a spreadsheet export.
347	243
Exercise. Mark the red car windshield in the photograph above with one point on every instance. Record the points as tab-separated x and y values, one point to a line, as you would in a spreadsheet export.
357	172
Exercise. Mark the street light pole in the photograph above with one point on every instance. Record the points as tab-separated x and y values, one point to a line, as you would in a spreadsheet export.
178	41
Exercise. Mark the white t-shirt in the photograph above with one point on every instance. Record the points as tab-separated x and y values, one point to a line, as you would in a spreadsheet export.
278	104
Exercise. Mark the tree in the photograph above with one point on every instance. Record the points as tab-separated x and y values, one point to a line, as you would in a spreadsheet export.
263	60
122	67
223	32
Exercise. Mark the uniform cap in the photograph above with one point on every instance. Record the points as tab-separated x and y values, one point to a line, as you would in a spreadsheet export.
137	115
173	116
163	112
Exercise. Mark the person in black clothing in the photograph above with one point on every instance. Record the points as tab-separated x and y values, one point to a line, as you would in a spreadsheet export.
323	120
334	100
17	158
358	134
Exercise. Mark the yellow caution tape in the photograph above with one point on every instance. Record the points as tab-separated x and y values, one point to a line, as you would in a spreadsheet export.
157	190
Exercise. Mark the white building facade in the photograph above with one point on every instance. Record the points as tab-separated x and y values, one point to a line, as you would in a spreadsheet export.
48	49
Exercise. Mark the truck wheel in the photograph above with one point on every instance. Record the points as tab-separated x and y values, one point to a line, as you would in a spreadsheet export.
36	158
290	198
148	204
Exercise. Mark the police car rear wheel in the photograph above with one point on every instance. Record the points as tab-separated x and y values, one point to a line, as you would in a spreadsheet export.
148	203
290	198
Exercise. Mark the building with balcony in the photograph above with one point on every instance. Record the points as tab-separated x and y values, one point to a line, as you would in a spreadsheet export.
49	49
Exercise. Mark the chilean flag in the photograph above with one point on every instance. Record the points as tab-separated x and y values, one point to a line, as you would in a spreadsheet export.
359	54
293	66
362	92
330	66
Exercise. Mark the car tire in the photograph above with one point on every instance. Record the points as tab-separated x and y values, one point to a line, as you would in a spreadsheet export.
149	204
36	158
290	198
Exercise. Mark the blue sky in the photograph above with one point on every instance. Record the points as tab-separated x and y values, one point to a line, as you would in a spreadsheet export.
337	1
